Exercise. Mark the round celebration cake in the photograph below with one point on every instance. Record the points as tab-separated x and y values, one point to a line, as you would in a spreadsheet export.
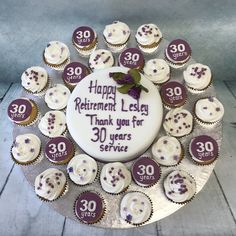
108	124
127	123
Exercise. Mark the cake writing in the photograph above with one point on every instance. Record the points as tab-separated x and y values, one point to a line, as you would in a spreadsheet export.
111	132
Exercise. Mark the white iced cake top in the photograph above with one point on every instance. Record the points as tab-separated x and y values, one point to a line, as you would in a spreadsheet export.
111	126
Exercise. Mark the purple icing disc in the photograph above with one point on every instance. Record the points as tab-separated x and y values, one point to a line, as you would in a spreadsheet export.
19	109
173	93
83	36
178	51
57	149
146	171
131	58
74	72
89	207
204	148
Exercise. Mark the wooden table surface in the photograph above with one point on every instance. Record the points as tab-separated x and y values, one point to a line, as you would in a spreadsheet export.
212	212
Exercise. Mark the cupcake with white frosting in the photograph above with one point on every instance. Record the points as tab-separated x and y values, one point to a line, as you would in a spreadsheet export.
208	111
26	149
116	35
50	185
56	55
178	122
53	124
82	169
157	70
57	97
197	77
101	59
167	151
148	37
115	178
179	186
85	40
35	80
136	208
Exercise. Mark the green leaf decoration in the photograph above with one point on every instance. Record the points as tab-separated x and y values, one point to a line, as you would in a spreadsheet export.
117	75
143	88
136	75
125	88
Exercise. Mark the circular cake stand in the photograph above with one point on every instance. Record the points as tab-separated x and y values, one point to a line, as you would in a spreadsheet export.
162	207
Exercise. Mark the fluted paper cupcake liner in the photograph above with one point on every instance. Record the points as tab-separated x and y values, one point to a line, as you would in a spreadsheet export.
63	193
58	67
42	92
32	162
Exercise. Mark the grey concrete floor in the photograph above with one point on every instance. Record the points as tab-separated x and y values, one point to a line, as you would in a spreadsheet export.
26	27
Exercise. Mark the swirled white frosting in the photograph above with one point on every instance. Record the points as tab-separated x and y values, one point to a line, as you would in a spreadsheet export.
167	151
53	124
209	109
34	79
116	33
56	53
179	186
157	70
197	76
57	97
26	148
178	122
82	169
115	177
135	207
101	59
148	34
50	184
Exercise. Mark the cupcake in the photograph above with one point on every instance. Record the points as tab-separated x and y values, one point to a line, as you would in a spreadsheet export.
85	40
173	94
208	111
57	97
50	184
178	53
178	122
179	186
35	80
145	171
59	150
82	169
74	73
168	151
115	177
148	37
203	150
136	208
26	149
101	59
131	58
157	70
53	124
197	77
116	35
89	207
56	55
23	111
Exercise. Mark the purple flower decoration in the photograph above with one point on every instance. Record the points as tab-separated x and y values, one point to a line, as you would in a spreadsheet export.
134	92
70	169
127	79
129	217
27	140
211	99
